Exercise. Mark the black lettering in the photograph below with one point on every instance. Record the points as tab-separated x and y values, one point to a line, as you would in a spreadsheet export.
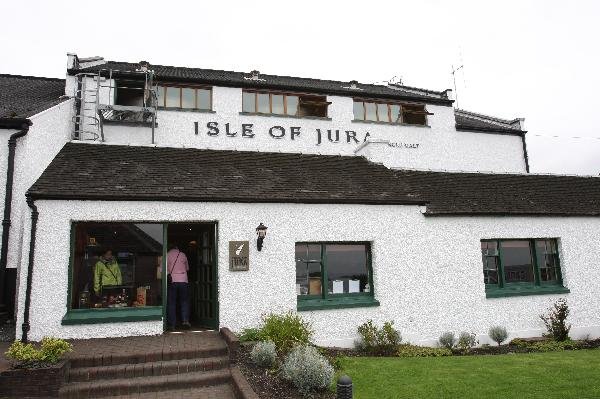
318	136
337	136
275	135
196	128
366	136
213	129
294	131
350	134
228	133
247	130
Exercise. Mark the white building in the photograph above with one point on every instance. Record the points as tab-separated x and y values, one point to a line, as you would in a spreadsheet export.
382	202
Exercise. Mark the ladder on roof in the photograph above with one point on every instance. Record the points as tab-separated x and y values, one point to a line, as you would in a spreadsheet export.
86	123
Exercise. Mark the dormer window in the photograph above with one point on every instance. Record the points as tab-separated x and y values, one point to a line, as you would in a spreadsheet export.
183	97
274	103
409	114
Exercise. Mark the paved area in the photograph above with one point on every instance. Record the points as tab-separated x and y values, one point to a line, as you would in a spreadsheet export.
4	364
7	332
216	392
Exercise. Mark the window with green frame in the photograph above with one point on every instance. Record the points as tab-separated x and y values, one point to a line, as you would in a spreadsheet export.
334	274
521	267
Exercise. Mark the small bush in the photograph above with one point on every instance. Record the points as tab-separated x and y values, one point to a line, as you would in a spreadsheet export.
466	341
250	335
546	345
447	340
498	334
307	369
50	352
264	354
408	350
378	341
285	331
556	321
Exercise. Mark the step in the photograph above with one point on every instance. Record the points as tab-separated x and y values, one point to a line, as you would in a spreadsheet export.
111	359
224	391
167	367
141	385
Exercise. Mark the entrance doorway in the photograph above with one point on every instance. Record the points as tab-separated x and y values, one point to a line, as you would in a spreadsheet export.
198	242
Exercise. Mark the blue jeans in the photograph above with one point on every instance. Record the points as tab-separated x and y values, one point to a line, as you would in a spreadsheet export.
181	291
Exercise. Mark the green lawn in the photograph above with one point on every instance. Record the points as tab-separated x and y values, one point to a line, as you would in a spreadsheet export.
569	374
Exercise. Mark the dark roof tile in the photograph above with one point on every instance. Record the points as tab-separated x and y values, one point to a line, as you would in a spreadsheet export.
25	96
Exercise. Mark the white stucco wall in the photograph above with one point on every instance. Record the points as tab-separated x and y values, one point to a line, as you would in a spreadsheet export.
439	146
427	270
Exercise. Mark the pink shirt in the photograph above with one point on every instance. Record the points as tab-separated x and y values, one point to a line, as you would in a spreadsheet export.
177	266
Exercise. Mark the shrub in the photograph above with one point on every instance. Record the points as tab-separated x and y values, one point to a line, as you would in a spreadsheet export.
264	354
285	331
408	350
556	320
466	341
250	335
498	334
378	341
307	369
447	340
26	355
546	345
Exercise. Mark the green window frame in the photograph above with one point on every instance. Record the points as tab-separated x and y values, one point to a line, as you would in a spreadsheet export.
326	299
545	269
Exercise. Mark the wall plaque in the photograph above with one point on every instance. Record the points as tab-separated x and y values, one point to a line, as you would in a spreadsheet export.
239	255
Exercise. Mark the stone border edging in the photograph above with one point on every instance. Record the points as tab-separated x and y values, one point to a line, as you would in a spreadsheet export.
241	386
232	341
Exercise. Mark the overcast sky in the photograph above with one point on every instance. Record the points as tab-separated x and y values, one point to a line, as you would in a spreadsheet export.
534	59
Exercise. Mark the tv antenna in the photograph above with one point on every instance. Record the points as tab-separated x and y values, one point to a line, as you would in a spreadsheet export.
454	70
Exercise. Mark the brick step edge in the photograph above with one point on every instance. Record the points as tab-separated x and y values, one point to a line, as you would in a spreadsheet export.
166	355
198	392
241	386
141	385
129	370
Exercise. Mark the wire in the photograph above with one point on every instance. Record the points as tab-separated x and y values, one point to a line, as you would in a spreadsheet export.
567	137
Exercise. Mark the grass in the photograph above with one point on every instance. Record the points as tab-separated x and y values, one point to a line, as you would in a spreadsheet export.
569	374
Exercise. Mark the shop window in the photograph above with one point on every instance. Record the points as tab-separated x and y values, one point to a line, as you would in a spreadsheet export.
284	104
390	113
116	265
521	266
333	274
198	98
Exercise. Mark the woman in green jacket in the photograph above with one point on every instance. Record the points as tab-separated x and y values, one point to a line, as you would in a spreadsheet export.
107	272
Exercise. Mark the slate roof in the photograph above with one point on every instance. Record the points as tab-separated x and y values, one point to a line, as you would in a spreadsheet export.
505	194
242	79
471	121
25	96
112	172
109	172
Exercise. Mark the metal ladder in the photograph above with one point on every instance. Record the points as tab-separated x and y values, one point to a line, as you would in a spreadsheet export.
86	122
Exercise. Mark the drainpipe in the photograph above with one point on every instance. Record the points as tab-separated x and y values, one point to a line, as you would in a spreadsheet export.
34	219
23	125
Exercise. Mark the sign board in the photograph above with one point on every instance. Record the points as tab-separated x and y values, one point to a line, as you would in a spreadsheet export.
239	255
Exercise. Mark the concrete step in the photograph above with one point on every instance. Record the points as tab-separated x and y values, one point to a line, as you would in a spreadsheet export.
139	386
167	367
150	355
224	391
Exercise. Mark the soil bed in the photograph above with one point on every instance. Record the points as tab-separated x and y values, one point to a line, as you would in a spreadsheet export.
267	384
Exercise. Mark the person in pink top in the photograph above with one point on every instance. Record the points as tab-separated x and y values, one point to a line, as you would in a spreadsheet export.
177	268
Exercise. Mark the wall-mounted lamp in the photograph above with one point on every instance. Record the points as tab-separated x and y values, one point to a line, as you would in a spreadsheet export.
261	232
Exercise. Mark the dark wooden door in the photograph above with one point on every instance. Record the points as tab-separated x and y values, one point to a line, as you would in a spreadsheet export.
204	286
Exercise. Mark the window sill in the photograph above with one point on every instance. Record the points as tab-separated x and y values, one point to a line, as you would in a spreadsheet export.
203	111
129	123
388	123
524	291
337	303
322	118
112	315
